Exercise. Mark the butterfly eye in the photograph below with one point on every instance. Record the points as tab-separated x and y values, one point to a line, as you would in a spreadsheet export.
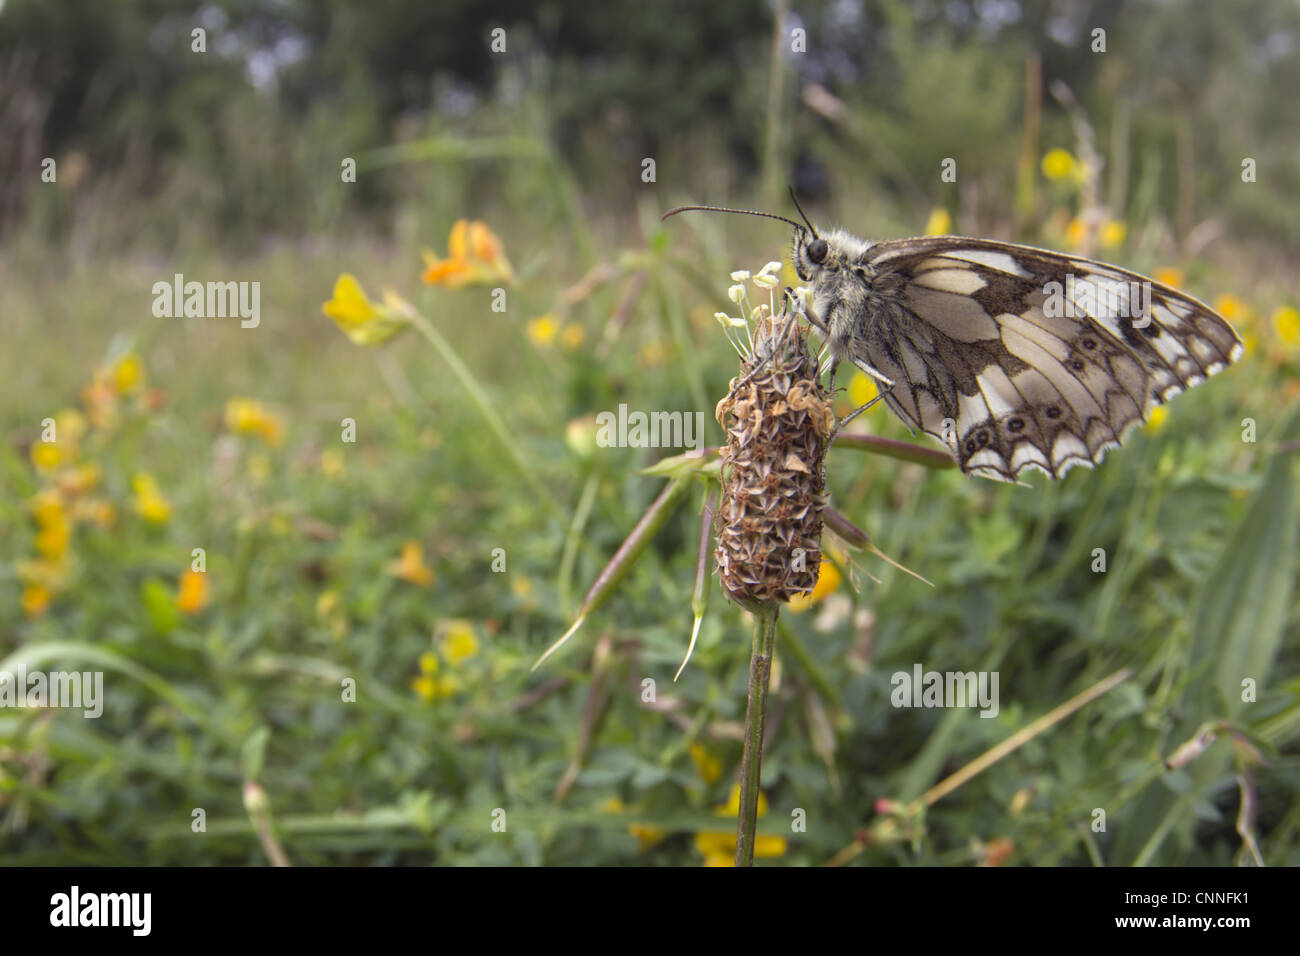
817	250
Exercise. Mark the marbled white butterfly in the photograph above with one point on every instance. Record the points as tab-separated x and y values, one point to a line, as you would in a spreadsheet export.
1013	357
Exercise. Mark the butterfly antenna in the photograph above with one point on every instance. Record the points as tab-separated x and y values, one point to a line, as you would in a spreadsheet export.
804	217
743	212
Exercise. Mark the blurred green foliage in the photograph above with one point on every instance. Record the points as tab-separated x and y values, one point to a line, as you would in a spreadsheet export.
169	163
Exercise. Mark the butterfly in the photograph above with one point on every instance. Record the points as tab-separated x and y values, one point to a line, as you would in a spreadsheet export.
1013	357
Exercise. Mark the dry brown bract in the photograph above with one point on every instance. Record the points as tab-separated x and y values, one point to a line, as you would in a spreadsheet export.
778	424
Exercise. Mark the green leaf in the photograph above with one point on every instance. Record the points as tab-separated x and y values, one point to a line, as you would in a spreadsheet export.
1243	607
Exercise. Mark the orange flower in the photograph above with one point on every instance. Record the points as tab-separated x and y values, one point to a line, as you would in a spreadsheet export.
36	599
474	256
192	591
411	567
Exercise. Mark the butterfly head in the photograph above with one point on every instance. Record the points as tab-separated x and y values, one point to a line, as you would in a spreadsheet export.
815	256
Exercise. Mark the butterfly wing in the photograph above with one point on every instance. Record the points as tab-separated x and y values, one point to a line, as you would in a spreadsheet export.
1016	357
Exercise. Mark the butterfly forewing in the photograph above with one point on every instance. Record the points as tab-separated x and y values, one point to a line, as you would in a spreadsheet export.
1018	358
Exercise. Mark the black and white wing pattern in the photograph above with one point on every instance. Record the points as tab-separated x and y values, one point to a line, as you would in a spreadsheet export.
1016	357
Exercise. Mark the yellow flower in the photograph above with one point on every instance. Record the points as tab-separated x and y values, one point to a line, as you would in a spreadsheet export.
1156	420
572	336
149	501
1231	308
861	389
411	567
939	223
192	591
52	520
326	603
428	663
1286	321
828	580
1075	233
46	455
459	643
36	599
543	330
127	373
331	463
1170	276
474	256
363	321
1059	164
52	540
245	416
1113	233
646	835
425	687
707	764
717	847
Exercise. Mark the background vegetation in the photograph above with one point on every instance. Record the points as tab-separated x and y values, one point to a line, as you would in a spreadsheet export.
328	560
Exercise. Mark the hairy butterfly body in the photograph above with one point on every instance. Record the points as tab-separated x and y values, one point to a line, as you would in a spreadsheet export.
1014	357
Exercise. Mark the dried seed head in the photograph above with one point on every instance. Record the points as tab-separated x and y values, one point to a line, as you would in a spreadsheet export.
778	420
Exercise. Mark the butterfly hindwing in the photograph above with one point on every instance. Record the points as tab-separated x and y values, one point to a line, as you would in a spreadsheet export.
1016	358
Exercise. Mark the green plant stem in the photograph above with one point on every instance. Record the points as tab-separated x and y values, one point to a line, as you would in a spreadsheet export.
480	398
760	669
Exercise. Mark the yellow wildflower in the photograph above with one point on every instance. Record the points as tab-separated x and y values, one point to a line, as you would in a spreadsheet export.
411	567
46	455
459	643
861	389
36	599
1156	420
1286	322
428	663
331	463
192	591
707	764
719	849
543	330
1231	308
1075	233
1113	233
572	337
828	581
127	373
1170	276
425	687
52	520
939	223
149	501
363	321
474	256
1060	164
245	416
